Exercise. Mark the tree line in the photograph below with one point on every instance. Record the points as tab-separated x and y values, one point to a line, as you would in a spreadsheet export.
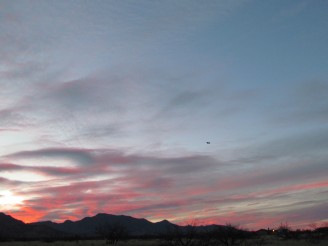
227	235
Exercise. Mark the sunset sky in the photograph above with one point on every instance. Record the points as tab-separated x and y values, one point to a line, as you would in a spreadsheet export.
106	107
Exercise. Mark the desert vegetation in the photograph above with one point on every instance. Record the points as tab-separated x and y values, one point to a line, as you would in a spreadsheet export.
113	233
190	235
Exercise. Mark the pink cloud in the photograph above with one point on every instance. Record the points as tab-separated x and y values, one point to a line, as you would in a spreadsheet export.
156	188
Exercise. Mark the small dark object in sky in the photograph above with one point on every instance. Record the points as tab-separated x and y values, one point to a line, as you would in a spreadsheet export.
208	142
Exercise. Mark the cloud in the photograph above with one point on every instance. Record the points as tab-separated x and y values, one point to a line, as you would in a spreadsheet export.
116	178
87	94
181	104
266	177
12	118
10	184
78	156
303	104
46	170
126	168
9	166
117	182
300	146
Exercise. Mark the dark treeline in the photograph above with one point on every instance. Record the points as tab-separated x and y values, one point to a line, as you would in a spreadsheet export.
190	235
113	229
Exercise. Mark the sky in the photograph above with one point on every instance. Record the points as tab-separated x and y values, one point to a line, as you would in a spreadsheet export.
107	107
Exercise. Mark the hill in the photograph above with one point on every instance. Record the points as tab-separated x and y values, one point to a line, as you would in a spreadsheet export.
88	226
11	228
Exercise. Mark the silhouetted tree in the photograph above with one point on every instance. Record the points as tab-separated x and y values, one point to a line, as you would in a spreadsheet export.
113	233
205	237
229	235
180	235
284	231
317	233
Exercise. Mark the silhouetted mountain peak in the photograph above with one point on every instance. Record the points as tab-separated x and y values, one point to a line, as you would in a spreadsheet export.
164	221
7	219
68	222
15	229
102	215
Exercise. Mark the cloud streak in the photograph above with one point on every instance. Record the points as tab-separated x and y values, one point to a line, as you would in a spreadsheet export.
157	187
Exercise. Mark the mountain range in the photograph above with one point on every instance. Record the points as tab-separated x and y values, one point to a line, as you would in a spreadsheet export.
11	228
86	227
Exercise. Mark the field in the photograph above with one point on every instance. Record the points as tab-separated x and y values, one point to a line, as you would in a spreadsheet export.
269	241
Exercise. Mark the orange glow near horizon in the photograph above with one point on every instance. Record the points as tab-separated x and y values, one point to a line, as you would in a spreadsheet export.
29	215
15	206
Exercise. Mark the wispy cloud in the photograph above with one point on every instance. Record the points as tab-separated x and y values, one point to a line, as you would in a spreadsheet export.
188	182
79	156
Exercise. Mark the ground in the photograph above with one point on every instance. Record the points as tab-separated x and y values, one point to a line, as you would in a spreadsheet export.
269	241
